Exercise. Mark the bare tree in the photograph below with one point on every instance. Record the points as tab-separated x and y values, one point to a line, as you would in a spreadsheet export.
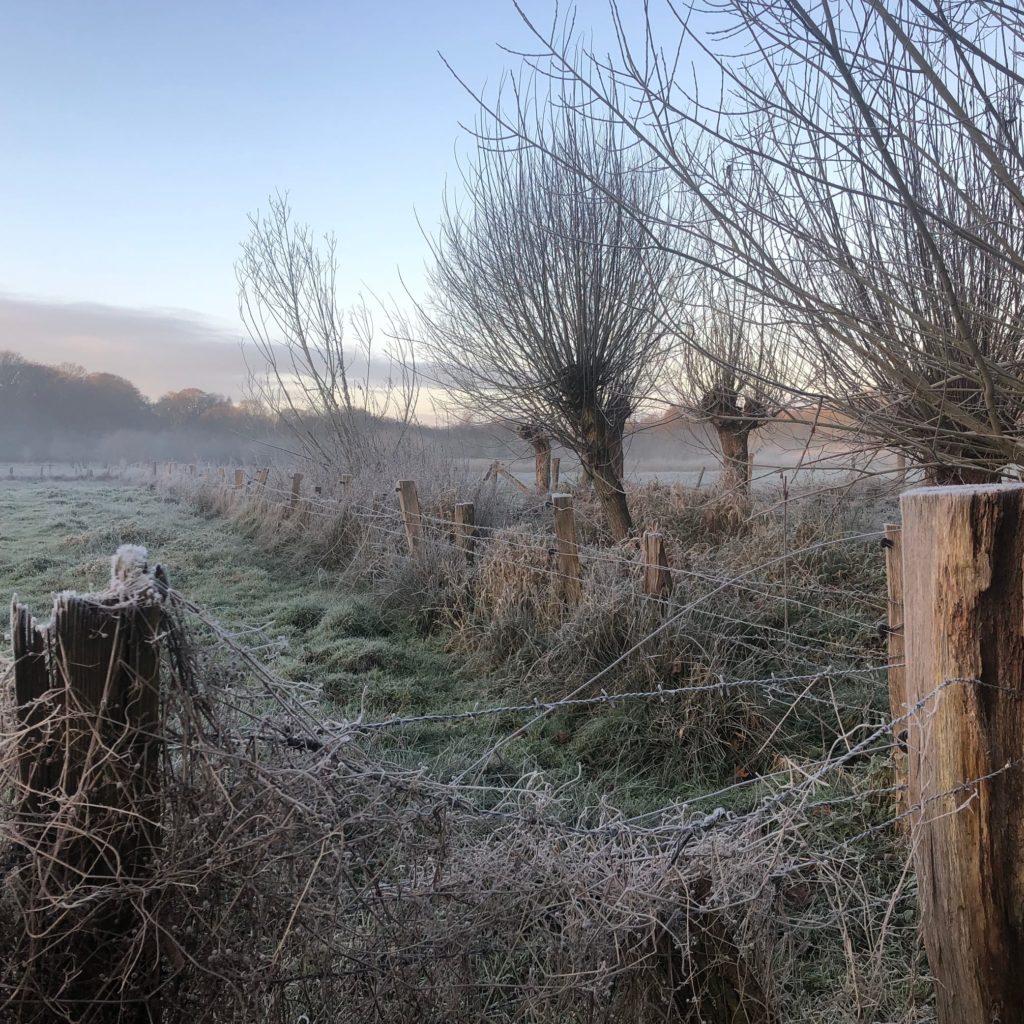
348	400
727	376
859	168
543	306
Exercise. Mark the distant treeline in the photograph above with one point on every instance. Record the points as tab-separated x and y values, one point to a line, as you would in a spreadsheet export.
64	413
67	414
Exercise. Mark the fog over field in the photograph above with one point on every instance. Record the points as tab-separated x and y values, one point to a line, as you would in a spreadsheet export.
61	415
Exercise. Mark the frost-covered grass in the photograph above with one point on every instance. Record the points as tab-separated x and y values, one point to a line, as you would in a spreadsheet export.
299	622
371	635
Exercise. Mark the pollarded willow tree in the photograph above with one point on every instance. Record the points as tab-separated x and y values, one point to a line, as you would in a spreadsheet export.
860	168
728	376
545	290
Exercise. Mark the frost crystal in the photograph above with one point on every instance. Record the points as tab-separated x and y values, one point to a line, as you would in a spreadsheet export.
129	563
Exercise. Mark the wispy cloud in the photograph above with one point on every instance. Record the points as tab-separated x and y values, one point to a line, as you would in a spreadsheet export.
158	350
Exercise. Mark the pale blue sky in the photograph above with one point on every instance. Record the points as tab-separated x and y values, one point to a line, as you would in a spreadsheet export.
138	135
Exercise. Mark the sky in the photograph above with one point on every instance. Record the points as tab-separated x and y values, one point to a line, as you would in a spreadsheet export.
138	135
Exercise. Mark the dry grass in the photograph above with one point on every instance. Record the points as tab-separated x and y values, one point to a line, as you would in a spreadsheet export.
299	877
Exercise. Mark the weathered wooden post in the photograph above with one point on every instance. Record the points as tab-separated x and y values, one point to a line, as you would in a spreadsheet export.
556	463
239	479
87	689
568	548
700	477
296	489
346	485
39	768
501	469
409	502
465	526
657	577
894	635
963	598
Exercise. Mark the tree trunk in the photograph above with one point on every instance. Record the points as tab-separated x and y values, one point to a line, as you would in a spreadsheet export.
542	456
612	496
91	823
735	459
601	455
618	458
541	444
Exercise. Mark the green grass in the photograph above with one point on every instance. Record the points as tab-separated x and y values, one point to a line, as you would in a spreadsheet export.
300	623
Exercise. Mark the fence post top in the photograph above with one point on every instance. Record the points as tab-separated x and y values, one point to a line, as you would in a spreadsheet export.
920	494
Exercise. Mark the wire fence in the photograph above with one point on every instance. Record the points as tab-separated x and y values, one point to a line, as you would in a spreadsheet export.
328	848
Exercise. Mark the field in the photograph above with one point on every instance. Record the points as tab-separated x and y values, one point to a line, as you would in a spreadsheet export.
746	711
61	537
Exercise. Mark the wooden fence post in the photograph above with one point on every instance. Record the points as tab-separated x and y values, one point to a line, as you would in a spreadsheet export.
894	635
239	479
700	477
963	599
39	772
465	526
261	478
89	762
568	548
296	489
409	502
556	463
657	578
500	469
346	485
